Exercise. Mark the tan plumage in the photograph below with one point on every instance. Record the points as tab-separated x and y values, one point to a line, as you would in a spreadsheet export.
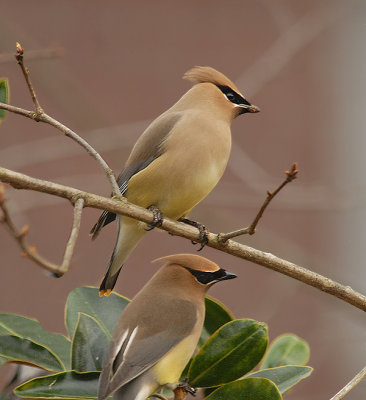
178	160
210	75
159	330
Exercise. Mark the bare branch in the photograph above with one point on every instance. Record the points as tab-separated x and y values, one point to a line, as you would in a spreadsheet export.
30	251
350	385
69	133
123	207
18	110
40	115
250	230
19	58
291	41
69	250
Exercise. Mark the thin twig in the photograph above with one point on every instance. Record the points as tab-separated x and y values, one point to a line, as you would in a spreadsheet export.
69	250
30	251
115	205
250	230
72	135
40	115
42	54
19	57
273	61
350	385
69	133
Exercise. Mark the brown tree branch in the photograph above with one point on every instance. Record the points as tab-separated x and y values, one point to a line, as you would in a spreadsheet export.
250	230
19	57
69	133
69	250
350	385
30	251
123	207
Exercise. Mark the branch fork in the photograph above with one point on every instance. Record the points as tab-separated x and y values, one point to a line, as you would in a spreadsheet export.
29	251
291	174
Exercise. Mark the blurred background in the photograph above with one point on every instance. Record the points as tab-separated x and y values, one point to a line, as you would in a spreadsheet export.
106	69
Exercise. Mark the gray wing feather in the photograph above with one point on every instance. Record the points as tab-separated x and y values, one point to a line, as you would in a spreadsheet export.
128	360
148	147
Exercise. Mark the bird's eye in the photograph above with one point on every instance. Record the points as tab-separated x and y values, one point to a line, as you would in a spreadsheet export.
230	96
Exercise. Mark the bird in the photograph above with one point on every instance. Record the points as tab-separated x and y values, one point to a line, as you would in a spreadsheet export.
176	162
158	331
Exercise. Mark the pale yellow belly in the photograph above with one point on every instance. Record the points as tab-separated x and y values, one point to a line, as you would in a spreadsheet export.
171	366
174	191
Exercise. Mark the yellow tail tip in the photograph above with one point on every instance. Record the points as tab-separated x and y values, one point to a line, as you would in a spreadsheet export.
105	292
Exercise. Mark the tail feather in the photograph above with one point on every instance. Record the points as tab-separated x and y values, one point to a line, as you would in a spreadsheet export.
105	218
108	283
130	232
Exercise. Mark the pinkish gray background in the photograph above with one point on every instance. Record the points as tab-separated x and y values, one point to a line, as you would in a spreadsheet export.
302	62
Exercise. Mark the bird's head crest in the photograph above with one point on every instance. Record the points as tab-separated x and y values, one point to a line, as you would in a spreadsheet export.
208	74
191	261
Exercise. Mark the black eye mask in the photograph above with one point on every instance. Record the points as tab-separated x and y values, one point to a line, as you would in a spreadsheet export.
232	96
211	277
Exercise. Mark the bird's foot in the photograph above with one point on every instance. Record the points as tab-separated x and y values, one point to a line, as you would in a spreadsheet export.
203	238
187	388
158	218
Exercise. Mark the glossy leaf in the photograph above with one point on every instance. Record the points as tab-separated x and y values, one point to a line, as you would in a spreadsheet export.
14	348
85	299
65	385
234	350
284	377
4	95
286	349
247	389
89	344
28	328
216	315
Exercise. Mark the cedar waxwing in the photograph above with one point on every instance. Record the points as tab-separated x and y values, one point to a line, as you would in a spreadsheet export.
158	331
177	161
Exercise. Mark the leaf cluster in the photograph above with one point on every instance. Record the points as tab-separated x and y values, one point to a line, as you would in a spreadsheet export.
229	350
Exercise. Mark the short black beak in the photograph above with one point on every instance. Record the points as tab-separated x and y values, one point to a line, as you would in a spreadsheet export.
226	275
248	108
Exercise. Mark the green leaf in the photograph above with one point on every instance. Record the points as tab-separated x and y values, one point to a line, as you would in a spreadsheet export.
4	95
85	299
284	377
286	349
14	348
247	389
28	328
65	385
231	352
216	315
89	344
